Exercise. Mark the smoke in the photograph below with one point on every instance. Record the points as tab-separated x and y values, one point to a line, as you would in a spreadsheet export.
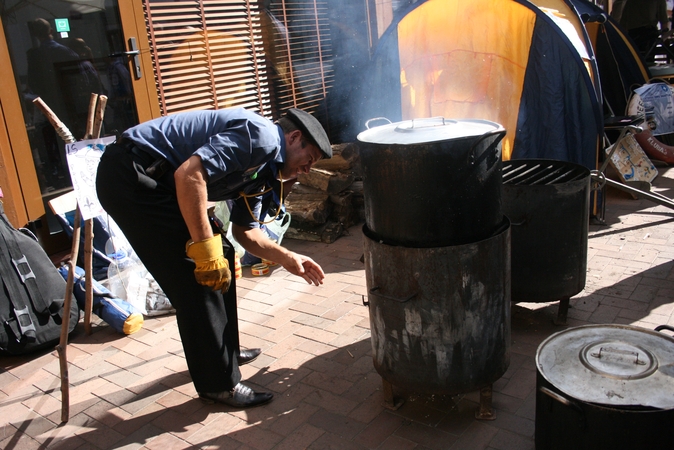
366	67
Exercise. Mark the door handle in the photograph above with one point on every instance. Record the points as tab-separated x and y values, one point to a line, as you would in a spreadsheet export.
112	55
135	54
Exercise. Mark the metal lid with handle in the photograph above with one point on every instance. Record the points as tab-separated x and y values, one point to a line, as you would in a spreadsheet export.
613	365
427	130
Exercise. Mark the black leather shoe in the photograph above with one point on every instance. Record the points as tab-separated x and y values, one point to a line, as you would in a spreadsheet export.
246	356
240	397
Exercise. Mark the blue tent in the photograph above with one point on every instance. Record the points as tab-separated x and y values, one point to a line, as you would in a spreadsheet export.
529	68
621	67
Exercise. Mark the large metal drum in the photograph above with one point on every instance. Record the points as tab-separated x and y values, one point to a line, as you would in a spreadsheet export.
432	182
548	204
440	317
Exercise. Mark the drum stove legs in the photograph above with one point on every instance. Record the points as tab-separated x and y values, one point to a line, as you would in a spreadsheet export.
562	311
390	402
486	411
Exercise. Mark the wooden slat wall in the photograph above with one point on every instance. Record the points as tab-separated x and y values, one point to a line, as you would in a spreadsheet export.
208	54
212	54
305	44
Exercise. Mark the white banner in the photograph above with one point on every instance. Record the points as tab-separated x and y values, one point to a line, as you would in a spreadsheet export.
83	158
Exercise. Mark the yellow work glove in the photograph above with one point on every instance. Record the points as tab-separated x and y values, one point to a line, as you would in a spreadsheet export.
212	268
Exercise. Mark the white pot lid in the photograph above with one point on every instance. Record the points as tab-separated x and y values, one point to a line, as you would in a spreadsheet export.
428	130
613	365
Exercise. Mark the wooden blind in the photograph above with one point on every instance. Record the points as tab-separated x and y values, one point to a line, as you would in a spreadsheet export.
300	53
208	54
212	54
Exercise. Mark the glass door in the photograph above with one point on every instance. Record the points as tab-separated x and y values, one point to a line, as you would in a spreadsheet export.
63	51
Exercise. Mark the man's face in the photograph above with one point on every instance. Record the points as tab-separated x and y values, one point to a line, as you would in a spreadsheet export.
300	155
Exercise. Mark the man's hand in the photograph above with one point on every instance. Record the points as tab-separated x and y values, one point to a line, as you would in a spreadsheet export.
212	269
305	267
258	243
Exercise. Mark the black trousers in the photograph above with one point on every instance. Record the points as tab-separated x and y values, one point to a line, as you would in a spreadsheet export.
147	212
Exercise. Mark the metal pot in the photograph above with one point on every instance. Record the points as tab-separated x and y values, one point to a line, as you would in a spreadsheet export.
432	182
605	387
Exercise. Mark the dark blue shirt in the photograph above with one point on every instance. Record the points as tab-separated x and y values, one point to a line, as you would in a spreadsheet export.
239	149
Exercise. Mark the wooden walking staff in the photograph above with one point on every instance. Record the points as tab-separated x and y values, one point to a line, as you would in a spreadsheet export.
94	124
95	116
94	121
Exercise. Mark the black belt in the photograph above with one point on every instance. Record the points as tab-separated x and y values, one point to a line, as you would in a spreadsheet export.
155	166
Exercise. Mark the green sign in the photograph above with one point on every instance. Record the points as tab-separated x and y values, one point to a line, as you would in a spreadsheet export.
62	25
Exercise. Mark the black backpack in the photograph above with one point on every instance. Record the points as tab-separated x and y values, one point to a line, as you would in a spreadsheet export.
31	293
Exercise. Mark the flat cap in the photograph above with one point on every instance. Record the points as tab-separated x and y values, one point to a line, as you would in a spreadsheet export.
311	129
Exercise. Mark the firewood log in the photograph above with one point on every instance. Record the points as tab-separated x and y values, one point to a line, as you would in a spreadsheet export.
326	180
308	204
328	232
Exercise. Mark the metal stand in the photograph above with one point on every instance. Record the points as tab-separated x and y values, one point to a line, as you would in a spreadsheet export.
599	176
652	196
661	45
486	411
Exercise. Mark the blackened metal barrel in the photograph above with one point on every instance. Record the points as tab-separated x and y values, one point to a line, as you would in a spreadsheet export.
547	202
432	182
440	317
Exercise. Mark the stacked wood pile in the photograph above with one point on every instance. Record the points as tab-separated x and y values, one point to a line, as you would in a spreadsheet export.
328	200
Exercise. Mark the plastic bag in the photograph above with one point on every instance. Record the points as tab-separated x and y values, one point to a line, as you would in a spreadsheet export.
128	278
137	286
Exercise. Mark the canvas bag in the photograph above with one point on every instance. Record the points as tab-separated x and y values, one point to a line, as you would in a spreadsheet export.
31	293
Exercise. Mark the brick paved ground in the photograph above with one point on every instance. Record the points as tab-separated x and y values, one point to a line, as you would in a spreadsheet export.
134	392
